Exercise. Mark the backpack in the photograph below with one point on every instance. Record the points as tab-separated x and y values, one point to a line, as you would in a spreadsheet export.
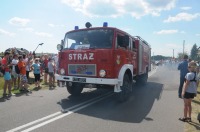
194	79
17	69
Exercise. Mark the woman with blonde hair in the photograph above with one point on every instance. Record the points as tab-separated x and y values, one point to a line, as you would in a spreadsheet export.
189	91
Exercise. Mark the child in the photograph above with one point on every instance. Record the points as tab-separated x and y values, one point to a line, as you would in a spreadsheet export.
15	72
7	76
24	80
189	91
36	70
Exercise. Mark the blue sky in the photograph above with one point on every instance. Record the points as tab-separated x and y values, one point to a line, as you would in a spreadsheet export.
164	24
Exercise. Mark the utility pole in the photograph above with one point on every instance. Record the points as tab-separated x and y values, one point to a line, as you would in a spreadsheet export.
173	53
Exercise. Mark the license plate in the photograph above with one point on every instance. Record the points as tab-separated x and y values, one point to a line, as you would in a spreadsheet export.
79	79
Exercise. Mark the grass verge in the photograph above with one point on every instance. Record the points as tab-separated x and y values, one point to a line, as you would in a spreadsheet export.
16	91
194	126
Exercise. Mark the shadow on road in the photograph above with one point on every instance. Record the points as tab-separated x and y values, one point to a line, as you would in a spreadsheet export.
2	99
134	110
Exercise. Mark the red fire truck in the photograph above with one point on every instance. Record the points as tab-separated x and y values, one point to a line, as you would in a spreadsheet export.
107	57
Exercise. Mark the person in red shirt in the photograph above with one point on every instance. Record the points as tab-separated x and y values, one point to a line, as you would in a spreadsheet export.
24	80
7	75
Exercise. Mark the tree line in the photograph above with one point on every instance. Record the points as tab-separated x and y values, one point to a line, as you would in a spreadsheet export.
194	55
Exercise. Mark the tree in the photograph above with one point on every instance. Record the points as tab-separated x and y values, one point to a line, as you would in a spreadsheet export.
180	55
193	53
159	57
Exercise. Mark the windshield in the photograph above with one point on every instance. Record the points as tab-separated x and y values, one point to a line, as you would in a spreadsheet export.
98	38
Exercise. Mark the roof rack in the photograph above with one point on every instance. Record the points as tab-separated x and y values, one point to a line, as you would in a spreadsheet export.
139	38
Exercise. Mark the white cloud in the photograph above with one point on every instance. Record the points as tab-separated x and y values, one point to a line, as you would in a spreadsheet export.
182	17
27	29
43	34
54	25
4	32
73	3
19	21
51	25
166	32
186	8
115	8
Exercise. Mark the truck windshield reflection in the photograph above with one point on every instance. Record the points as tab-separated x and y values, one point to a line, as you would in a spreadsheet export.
98	38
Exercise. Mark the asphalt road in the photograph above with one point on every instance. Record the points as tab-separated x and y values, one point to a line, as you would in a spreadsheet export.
152	108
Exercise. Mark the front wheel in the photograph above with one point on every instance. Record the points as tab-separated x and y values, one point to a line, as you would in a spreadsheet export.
74	88
126	89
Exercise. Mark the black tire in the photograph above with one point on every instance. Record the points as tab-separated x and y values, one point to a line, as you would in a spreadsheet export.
75	89
126	89
142	79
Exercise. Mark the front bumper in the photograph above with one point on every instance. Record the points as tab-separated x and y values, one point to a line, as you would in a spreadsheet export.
90	80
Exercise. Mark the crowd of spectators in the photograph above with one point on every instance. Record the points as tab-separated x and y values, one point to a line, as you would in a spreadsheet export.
15	68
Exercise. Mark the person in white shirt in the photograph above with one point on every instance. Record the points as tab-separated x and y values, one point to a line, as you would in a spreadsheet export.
189	91
55	58
28	63
14	73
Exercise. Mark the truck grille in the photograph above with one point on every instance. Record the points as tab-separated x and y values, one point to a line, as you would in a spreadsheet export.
82	69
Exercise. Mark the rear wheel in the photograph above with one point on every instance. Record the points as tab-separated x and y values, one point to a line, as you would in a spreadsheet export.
75	89
126	89
142	79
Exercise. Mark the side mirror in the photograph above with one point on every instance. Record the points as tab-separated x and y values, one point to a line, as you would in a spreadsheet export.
126	40
59	47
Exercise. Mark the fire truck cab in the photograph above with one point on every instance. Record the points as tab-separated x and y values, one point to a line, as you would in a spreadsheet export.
103	57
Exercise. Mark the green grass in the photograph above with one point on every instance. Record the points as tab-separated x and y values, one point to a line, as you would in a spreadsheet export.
31	87
1	85
194	126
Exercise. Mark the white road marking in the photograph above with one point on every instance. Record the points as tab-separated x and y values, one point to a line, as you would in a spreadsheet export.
65	114
57	114
34	122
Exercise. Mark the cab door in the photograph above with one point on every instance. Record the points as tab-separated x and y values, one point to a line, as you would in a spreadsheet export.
122	52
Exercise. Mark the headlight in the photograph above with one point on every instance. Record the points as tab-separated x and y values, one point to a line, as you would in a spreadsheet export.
62	71
102	73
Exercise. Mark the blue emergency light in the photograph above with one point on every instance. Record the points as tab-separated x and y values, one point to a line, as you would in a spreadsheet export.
105	24
76	28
